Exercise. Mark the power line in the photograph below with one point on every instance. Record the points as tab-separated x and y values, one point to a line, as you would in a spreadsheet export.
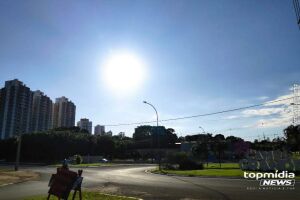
200	115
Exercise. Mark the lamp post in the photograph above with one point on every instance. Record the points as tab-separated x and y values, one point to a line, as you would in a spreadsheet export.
145	102
17	163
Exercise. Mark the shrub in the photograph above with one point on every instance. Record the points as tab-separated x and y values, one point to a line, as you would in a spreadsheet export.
190	165
176	158
181	161
78	159
170	166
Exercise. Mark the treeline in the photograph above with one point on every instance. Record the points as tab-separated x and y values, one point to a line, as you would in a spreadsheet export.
55	146
58	144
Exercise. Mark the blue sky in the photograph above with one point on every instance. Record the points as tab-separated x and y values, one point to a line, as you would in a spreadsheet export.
200	57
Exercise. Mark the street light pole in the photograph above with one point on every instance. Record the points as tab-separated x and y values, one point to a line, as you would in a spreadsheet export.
19	140
145	102
155	111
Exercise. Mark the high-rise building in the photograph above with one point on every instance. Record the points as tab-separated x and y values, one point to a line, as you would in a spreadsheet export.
15	109
85	124
63	113
99	130
121	134
41	112
109	133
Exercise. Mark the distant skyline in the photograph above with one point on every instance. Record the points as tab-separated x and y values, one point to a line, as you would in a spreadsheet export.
198	56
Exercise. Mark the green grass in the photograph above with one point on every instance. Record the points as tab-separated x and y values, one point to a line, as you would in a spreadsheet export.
223	166
212	170
206	172
86	165
85	196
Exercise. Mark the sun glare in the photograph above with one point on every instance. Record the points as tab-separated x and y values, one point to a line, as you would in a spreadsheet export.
123	72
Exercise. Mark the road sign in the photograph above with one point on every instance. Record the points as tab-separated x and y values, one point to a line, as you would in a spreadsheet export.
63	182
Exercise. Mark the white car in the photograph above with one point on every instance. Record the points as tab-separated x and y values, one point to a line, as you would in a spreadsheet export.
103	160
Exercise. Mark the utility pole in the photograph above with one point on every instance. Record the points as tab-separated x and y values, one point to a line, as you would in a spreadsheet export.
19	141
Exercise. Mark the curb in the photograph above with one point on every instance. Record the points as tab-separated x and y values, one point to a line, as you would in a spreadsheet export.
182	175
113	165
112	195
216	177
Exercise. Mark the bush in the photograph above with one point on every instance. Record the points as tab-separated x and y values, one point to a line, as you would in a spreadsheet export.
170	166
176	158
190	165
181	161
78	159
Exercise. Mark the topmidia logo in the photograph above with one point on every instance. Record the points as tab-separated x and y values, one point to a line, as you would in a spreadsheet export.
277	182
283	178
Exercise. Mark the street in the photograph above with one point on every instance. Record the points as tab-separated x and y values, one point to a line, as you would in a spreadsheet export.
132	180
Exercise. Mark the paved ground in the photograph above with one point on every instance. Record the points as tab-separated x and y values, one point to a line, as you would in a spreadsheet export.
133	181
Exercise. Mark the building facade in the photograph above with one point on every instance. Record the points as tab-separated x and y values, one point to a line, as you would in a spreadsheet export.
109	133
15	109
63	113
99	130
42	107
85	124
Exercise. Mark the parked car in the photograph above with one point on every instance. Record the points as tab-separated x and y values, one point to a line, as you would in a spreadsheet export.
103	160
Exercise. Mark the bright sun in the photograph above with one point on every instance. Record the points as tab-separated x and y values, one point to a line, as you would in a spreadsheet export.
123	72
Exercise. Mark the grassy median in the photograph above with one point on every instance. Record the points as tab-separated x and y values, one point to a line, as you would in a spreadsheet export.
223	166
210	170
86	195
205	172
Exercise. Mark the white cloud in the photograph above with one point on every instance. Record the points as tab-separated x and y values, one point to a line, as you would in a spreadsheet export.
280	101
280	112
231	117
274	122
263	98
262	112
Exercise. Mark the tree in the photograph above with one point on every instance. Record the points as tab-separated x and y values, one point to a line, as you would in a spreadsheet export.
240	148
199	137
105	146
219	147
201	151
233	139
142	133
169	137
152	136
219	137
292	135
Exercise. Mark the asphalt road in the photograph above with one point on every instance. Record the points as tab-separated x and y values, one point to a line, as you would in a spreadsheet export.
132	180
